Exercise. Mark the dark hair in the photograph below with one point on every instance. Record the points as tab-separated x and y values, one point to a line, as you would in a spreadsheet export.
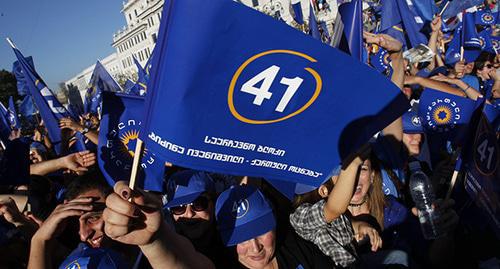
90	181
311	197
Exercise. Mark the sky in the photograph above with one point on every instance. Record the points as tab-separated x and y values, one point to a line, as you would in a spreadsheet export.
63	36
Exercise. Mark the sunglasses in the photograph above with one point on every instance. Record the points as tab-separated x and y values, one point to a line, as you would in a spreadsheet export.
199	204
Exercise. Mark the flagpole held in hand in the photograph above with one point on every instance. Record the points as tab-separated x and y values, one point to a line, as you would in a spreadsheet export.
135	163
444	8
458	165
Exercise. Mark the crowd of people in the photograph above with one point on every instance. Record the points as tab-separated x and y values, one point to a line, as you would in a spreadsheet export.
65	215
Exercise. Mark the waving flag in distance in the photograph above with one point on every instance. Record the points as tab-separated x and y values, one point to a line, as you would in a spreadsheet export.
313	24
119	130
141	78
129	85
12	116
100	81
5	127
351	14
17	70
398	21
482	171
297	12
457	6
253	122
50	108
149	64
485	17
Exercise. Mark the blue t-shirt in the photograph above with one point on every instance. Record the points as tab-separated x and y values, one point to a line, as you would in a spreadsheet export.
471	81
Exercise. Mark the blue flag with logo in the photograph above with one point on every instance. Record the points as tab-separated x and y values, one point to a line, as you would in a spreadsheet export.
297	12
352	17
380	60
482	171
100	81
119	130
445	115
250	102
485	17
12	115
50	108
470	37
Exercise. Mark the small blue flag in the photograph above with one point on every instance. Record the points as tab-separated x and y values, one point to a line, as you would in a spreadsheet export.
12	116
142	78
27	108
426	9
470	36
398	14
380	59
313	24
100	81
5	127
22	87
129	85
352	17
266	100
119	130
297	12
485	17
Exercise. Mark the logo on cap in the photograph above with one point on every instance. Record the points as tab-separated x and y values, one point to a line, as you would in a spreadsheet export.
415	120
240	208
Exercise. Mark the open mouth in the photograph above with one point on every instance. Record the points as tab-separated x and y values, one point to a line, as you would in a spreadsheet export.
95	242
358	190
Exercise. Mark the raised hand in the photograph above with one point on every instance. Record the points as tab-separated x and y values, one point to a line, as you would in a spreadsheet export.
78	162
385	41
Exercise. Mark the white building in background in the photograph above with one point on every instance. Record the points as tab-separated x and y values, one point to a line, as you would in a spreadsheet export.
139	36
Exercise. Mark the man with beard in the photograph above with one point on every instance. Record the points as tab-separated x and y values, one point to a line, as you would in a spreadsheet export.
192	197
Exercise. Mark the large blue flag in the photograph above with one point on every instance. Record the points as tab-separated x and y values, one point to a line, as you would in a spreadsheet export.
352	17
482	171
243	100
119	130
396	15
12	116
100	81
50	108
297	12
22	86
445	115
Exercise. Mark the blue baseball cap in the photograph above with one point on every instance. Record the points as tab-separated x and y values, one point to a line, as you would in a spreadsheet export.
243	213
185	186
412	123
85	257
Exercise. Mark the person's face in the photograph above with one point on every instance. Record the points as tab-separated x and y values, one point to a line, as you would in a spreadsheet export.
469	67
365	180
412	143
258	252
484	72
35	156
195	219
91	223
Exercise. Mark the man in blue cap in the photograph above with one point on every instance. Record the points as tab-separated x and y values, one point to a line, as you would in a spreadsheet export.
191	196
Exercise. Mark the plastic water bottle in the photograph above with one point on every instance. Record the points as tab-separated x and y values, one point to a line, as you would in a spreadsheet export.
423	196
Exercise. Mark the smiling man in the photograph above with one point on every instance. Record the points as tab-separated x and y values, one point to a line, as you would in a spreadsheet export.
85	200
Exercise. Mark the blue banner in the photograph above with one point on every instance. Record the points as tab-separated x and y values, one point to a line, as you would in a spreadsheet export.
243	100
482	172
118	133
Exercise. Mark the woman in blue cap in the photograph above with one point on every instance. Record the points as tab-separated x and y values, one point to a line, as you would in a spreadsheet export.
246	221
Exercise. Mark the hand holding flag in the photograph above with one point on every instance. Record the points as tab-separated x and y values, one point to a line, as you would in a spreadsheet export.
385	41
